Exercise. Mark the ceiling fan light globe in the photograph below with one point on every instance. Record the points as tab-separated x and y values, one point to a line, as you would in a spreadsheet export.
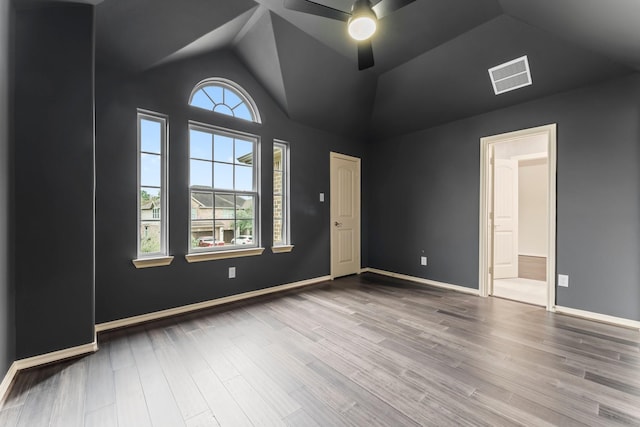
362	27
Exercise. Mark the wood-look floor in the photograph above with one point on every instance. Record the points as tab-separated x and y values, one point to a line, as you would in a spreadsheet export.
361	351
532	267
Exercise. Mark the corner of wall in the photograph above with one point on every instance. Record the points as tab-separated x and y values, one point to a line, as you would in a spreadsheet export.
7	298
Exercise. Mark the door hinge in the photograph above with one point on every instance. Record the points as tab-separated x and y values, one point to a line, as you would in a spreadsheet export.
490	270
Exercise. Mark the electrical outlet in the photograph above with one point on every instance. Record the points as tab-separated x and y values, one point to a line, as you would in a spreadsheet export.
423	260
563	280
232	272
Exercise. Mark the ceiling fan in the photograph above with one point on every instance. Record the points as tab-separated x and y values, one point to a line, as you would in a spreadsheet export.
361	21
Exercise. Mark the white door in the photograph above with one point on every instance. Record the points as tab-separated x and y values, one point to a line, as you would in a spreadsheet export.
505	220
345	215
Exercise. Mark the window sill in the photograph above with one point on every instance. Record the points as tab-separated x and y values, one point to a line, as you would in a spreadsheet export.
210	256
152	262
281	249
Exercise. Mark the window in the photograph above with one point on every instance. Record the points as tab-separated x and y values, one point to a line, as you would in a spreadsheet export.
224	97
152	188
223	189
280	194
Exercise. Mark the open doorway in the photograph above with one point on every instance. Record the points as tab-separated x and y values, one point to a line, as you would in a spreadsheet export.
517	228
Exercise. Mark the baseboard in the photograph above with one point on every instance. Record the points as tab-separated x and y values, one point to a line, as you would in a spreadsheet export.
129	321
56	356
5	385
43	359
422	281
603	318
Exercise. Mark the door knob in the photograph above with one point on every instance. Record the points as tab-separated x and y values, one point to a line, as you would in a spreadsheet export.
337	224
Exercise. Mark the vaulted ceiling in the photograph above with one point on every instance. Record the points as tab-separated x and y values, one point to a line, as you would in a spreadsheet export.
431	56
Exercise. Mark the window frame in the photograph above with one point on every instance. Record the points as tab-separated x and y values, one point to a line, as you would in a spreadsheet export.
237	89
197	254
161	257
285	243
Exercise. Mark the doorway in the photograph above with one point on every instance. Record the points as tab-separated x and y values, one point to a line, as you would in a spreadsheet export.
345	214
517	216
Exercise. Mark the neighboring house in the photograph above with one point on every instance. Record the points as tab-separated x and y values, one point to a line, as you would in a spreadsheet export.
150	210
150	225
225	212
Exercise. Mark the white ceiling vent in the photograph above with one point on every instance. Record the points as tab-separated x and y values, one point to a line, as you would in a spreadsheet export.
510	75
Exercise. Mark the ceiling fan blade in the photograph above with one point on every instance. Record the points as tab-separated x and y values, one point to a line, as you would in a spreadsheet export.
317	9
385	7
365	55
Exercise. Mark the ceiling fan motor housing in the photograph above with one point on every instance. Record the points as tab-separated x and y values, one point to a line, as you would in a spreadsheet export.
361	5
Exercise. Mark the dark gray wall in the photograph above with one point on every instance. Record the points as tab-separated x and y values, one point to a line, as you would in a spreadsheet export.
124	291
7	320
425	196
53	177
450	82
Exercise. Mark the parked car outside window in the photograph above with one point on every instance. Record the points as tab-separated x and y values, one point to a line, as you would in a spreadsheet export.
209	241
242	240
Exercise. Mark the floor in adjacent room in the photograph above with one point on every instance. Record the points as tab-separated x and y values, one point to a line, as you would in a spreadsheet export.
359	351
523	290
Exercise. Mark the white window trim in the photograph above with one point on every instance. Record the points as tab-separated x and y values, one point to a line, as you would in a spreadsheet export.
235	251
285	245
164	193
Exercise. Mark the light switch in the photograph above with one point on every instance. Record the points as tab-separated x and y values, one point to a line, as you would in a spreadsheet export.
563	280
322	197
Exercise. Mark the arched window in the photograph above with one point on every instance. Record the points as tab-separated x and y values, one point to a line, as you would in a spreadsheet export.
225	97
223	175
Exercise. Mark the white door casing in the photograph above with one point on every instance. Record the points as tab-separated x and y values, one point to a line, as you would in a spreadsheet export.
505	219
345	214
485	259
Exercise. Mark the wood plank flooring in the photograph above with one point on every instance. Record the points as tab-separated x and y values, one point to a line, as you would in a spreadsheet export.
360	351
522	290
532	267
